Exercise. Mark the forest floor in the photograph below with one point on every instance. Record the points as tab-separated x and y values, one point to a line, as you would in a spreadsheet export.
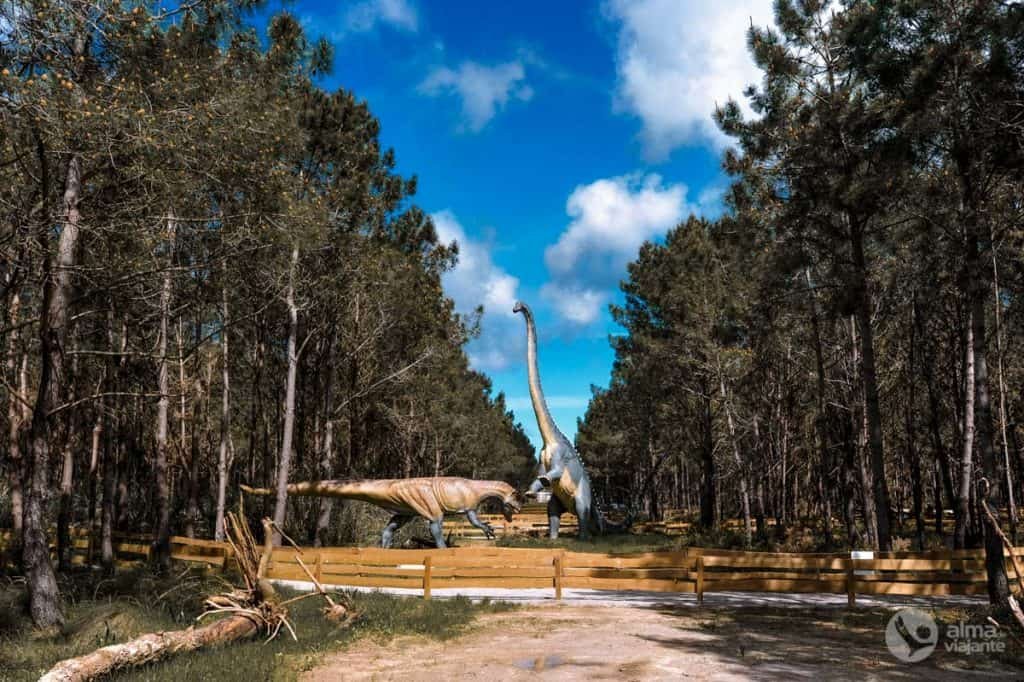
629	643
104	611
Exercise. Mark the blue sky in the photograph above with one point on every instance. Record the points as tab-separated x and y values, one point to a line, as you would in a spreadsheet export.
550	140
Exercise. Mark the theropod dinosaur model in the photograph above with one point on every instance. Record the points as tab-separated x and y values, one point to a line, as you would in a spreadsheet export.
563	469
406	498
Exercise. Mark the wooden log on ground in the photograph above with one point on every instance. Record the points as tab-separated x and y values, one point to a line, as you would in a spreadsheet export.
151	647
248	612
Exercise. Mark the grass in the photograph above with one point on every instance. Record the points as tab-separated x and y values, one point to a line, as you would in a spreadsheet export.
798	537
612	544
102	612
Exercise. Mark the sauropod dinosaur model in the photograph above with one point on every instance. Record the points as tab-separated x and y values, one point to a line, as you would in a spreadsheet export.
563	468
406	498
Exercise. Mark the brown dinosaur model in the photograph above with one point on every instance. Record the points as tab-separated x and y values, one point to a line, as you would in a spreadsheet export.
406	498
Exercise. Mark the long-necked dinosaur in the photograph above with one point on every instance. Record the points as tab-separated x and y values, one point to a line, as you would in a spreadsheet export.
406	498
563	469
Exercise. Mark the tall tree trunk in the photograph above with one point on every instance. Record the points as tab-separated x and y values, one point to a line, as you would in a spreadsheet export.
198	436
17	415
108	510
651	480
867	500
873	415
850	487
323	519
861	428
285	457
781	451
912	454
1018	459
64	508
227	447
161	548
67	477
94	470
1010	496
967	445
707	481
935	433
822	419
107	506
998	586
44	595
762	533
740	466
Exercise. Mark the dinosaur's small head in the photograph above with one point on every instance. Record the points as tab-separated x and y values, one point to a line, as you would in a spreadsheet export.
511	505
519	307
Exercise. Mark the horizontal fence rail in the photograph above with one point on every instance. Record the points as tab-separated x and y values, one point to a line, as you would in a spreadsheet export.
692	570
533	522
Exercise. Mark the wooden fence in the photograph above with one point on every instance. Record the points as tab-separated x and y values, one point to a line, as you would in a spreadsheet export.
129	549
533	521
692	570
536	525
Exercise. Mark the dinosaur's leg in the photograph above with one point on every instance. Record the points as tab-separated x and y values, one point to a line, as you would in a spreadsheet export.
555	510
437	531
586	514
482	525
583	518
396	522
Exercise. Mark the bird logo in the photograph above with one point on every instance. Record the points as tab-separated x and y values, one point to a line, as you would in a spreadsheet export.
911	635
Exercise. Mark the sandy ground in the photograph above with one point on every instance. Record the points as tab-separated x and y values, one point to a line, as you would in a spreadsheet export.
571	642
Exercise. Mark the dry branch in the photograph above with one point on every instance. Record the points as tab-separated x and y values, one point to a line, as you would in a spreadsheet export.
249	610
994	524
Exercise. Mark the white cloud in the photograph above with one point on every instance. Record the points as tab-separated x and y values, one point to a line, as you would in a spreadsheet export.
477	280
578	305
483	89
367	15
677	60
611	218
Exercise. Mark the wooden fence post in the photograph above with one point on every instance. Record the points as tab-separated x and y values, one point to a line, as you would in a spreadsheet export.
426	578
851	585
700	578
558	576
318	567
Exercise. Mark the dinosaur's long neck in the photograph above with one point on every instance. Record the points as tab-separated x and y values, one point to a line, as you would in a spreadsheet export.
548	431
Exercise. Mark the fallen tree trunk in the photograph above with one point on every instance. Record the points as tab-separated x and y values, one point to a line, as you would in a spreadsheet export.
151	647
250	610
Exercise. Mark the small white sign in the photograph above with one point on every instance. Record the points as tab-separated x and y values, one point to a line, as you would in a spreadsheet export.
862	554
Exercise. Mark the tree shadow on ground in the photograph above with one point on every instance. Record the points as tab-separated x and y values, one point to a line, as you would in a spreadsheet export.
774	643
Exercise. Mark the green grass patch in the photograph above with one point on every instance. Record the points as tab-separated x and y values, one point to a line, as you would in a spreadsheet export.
614	544
102	612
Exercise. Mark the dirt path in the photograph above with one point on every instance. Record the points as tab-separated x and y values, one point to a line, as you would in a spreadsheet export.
622	643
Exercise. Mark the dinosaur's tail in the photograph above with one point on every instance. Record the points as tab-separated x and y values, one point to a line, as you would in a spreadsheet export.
330	488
